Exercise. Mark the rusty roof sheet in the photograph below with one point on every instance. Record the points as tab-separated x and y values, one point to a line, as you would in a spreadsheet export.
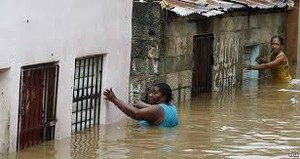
215	7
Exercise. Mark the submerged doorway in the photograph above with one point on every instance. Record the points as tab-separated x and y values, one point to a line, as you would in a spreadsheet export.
251	53
37	110
202	64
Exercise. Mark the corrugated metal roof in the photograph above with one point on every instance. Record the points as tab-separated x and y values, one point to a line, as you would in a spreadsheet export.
215	7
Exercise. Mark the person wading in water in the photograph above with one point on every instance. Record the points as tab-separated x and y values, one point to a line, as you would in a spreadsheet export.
278	62
159	111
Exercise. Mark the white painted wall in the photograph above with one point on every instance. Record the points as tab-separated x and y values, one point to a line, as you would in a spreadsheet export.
53	30
4	112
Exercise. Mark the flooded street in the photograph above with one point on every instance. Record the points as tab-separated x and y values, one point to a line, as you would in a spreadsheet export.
256	121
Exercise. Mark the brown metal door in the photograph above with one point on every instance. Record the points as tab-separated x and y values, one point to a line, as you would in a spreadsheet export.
202	64
37	112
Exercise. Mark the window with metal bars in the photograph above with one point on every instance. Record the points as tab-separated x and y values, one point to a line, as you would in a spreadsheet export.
86	92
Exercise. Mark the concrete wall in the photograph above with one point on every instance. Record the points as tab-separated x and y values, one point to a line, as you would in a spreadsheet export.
173	50
151	61
178	58
147	42
236	32
35	32
233	32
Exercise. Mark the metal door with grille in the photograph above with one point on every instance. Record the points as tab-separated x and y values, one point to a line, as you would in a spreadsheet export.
37	111
202	64
86	92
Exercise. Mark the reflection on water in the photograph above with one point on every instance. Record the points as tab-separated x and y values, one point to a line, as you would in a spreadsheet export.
257	121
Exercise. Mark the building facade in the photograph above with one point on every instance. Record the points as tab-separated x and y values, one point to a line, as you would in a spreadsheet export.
200	46
56	57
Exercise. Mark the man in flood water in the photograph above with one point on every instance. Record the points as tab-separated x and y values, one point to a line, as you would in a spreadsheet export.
159	112
278	62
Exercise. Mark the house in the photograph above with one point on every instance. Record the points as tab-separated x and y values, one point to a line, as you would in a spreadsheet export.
200	46
56	57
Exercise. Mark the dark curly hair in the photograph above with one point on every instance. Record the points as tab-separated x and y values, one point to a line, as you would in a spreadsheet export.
166	90
279	38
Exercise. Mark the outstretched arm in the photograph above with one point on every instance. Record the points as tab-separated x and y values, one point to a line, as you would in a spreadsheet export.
261	60
140	104
148	113
278	61
128	110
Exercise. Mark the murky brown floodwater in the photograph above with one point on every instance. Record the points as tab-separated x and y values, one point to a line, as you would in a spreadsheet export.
256	121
